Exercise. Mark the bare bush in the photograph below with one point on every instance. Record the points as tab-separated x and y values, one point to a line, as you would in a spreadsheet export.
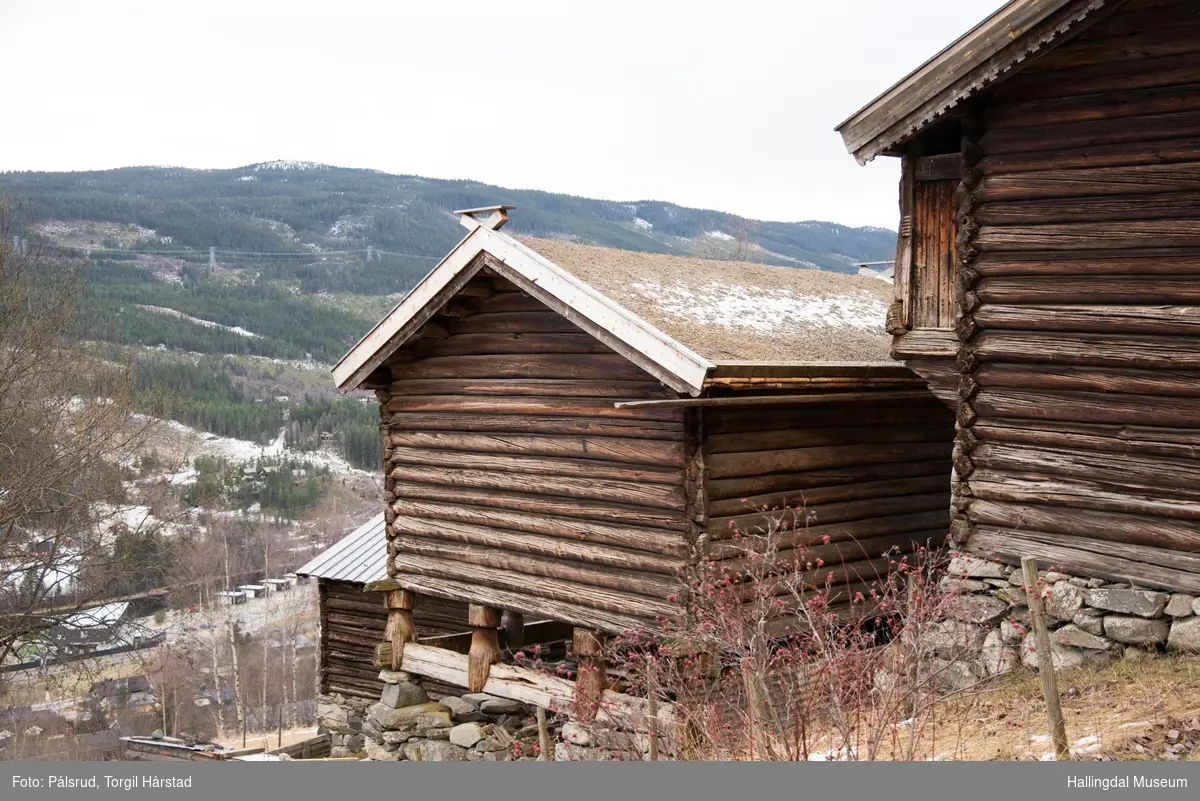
791	654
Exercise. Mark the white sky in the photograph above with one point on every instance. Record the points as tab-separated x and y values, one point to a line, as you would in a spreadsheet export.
719	104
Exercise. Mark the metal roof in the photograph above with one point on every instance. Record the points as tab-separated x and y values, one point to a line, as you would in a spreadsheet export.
360	556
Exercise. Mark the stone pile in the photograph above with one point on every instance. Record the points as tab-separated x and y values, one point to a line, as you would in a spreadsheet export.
409	723
987	628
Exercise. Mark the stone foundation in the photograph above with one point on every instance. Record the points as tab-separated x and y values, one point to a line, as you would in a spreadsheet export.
410	723
987	630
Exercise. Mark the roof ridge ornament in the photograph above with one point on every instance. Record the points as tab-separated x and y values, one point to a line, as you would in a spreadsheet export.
490	217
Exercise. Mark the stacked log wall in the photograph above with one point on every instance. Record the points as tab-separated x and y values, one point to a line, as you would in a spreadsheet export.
1080	267
513	482
352	624
872	477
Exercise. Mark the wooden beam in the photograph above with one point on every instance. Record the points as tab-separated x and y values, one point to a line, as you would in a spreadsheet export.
779	400
535	688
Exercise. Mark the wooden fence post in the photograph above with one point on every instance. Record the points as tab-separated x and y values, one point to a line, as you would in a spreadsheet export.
1041	639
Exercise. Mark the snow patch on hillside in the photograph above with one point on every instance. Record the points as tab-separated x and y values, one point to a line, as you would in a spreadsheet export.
724	237
645	225
197	321
757	309
289	164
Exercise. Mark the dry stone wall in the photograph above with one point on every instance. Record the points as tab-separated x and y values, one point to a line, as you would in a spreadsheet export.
412	723
987	630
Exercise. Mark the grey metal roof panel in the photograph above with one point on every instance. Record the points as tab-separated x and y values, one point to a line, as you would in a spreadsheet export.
360	556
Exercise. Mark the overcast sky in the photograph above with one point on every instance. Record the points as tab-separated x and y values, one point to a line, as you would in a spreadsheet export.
721	104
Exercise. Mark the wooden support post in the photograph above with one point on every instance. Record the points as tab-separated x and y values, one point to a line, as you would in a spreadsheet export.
485	644
1041	638
400	626
514	629
545	751
592	679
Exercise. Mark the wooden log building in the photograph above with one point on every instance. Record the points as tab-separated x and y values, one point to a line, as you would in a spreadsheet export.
1048	278
352	583
568	428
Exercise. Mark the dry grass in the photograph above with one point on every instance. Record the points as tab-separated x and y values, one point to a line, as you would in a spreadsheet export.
269	741
759	331
1115	703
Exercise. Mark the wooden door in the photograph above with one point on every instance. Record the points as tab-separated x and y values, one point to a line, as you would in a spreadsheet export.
935	268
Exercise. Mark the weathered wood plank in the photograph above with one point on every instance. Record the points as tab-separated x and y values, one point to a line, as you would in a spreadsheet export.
510	343
757	463
593	388
1120	562
1091	210
1039	141
1155	290
625	450
1071	494
818	437
814	535
1170	383
1175	477
838	493
739	488
535	424
516	599
927	343
485	582
1051	156
560	538
1147	179
1108	105
1102	437
1122	262
1142	352
732	420
1098	319
527	405
1131	46
1086	235
531	507
655	496
631	577
534	321
536	465
549	365
820	514
1180	535
536	688
1112	76
1085	407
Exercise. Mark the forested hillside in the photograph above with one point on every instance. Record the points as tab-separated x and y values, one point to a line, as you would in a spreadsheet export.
236	288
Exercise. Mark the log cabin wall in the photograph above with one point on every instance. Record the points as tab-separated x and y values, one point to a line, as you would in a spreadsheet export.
871	476
1080	357
512	480
352	623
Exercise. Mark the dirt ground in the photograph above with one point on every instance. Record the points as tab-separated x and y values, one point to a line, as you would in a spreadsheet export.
1141	710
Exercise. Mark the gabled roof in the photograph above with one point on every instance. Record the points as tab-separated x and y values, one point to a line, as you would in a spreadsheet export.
675	317
983	56
360	556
